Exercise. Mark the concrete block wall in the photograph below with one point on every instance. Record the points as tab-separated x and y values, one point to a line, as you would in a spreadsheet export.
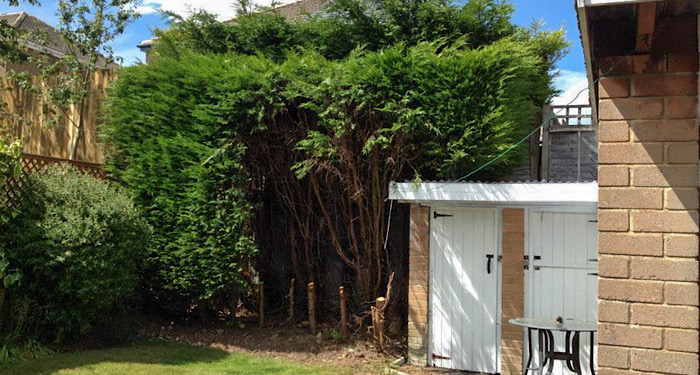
648	214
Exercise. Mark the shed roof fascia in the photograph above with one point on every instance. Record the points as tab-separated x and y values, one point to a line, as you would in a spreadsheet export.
497	193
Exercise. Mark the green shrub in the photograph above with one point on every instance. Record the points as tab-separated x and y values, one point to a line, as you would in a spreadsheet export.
10	159
78	243
10	167
27	350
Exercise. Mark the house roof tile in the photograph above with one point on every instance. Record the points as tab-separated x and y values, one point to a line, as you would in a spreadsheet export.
42	37
295	11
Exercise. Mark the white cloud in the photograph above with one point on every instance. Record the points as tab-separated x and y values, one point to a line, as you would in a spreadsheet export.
147	9
224	9
573	86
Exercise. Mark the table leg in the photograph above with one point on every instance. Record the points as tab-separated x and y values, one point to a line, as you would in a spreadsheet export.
529	352
576	353
550	352
569	362
542	351
592	353
548	346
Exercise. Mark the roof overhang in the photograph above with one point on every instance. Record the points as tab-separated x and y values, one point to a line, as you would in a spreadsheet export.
534	193
611	28
593	3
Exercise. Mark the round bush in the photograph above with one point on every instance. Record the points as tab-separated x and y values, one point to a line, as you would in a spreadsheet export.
78	242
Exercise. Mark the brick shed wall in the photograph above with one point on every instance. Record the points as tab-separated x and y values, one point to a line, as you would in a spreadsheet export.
513	298
648	214
512	287
418	285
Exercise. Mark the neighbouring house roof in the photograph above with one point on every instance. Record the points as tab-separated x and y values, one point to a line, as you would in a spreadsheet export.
30	24
539	192
294	11
299	10
42	37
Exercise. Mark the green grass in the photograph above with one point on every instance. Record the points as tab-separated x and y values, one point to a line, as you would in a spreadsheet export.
161	358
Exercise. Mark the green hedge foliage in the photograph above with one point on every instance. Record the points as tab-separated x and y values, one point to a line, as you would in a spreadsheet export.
78	243
189	178
180	130
342	26
430	87
457	107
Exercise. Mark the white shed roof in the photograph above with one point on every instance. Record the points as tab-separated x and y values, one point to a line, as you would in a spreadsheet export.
515	193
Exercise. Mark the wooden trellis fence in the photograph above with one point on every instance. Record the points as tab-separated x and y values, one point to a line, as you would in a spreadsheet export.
569	144
36	163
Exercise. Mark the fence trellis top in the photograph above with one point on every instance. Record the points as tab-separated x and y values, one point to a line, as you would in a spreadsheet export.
36	163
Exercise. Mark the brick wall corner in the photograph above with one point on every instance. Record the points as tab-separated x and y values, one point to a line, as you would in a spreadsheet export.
419	255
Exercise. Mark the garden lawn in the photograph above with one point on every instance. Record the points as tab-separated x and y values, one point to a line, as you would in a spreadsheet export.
160	358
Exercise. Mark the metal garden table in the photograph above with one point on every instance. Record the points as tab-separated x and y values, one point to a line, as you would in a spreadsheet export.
547	353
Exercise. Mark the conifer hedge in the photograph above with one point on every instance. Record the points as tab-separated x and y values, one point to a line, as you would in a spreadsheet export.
195	137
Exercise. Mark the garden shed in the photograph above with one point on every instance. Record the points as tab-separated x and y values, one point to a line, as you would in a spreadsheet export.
482	253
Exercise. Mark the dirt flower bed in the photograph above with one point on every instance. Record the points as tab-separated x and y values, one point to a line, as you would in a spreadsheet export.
286	342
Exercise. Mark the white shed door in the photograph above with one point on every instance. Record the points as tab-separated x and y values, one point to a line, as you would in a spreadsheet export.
563	273
464	297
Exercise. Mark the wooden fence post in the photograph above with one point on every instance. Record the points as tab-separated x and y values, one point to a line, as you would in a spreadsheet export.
261	303
548	117
343	313
290	296
312	307
379	323
373	328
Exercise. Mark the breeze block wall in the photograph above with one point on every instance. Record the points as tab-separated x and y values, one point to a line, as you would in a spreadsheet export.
648	210
418	264
513	290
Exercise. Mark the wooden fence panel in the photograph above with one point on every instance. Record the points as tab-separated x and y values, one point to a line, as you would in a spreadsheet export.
55	141
569	145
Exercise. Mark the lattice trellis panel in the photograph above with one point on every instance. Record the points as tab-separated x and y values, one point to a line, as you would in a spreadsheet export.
36	163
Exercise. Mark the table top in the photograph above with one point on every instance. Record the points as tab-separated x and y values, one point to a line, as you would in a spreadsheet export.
551	324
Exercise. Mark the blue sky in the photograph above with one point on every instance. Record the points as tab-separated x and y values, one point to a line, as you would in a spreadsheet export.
555	14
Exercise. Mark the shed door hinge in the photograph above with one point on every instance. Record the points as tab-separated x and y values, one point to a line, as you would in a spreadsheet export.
437	215
435	356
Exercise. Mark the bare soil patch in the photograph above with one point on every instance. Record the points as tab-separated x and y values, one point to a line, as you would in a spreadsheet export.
291	342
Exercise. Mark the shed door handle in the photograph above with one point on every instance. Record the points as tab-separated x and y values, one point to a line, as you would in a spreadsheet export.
488	262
